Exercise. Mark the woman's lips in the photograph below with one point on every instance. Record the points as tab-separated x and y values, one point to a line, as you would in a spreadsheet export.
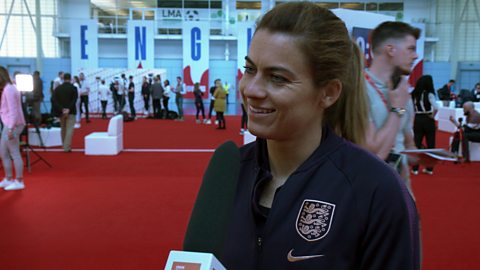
260	110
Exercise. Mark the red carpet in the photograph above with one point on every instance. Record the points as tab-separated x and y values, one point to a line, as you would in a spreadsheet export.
128	211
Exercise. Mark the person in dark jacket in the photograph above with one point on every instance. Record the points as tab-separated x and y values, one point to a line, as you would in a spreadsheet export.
157	93
64	103
146	95
425	106
199	103
37	97
307	197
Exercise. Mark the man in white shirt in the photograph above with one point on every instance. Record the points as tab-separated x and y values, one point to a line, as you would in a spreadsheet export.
84	92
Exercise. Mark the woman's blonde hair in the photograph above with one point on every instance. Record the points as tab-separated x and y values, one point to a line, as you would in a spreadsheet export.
325	41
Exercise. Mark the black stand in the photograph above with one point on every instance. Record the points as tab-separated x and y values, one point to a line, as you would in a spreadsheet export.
27	148
25	144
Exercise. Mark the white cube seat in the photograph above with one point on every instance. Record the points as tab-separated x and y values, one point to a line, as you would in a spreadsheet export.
49	136
106	143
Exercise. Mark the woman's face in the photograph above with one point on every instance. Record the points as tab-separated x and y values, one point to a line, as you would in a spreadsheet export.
277	88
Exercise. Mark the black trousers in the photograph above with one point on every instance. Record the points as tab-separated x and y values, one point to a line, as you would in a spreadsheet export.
200	108
244	118
165	105
104	108
146	100
156	108
131	98
221	120
84	102
212	104
424	127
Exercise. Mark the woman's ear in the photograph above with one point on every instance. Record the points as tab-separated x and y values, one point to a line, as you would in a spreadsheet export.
330	93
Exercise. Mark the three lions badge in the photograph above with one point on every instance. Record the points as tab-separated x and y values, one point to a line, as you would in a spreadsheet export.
314	219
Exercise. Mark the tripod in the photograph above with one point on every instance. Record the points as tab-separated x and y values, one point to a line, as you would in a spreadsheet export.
25	144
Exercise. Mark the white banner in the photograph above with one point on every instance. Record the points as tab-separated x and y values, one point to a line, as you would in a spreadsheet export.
83	45
245	35
141	44
196	54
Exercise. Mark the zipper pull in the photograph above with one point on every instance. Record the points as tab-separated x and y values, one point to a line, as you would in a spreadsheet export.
259	241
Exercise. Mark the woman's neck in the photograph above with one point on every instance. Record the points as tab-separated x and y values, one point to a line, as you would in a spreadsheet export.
286	156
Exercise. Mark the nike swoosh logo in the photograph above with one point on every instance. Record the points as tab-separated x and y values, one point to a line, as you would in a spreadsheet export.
292	258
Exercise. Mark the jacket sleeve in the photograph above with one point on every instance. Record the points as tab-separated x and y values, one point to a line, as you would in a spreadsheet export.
74	100
12	99
391	238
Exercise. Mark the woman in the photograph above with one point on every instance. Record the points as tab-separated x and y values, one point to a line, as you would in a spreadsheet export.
78	116
199	102
307	197
146	95
220	104
11	114
179	92
103	93
425	106
166	96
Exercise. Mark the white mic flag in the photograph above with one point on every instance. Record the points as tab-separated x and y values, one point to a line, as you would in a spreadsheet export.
185	260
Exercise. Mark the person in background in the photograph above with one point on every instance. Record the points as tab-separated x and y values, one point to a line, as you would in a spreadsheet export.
157	93
103	93
425	106
446	93
58	81
114	86
305	188
226	86
199	103
84	93
131	96
78	115
121	92
390	129
471	129
476	93
37	98
166	96
244	123
212	100
220	105
13	120
64	103
146	95
179	92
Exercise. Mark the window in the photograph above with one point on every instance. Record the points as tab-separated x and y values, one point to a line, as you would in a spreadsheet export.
20	37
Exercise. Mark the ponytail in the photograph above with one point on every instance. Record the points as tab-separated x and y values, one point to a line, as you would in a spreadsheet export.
349	115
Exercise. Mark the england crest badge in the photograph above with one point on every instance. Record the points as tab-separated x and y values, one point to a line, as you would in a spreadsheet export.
314	219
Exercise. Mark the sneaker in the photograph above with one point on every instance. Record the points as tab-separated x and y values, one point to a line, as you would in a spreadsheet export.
5	182
198	121
427	171
415	172
77	125
208	122
216	122
15	185
205	121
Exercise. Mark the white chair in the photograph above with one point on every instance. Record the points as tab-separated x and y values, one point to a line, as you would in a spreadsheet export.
474	149
106	143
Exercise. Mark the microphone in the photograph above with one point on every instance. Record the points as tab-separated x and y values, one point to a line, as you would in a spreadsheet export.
211	213
184	260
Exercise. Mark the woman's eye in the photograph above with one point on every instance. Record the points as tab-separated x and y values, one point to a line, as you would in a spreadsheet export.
249	70
278	79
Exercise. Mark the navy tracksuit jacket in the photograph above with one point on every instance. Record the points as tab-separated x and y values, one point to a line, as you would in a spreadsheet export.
343	208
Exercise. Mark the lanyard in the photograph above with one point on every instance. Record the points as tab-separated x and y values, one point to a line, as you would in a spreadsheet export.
382	96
